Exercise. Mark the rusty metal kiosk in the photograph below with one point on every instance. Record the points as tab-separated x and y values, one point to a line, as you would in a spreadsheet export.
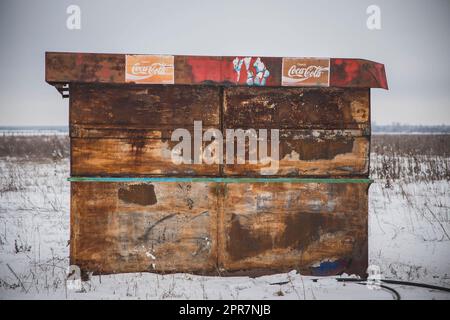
134	209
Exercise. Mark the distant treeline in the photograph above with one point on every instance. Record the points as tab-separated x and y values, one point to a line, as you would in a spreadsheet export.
33	130
408	128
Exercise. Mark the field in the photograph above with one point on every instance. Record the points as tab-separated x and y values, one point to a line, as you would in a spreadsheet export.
409	230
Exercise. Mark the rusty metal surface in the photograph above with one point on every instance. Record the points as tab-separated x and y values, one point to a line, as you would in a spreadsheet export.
144	107
136	156
163	227
296	108
212	228
65	67
318	153
84	67
118	130
309	153
315	228
324	131
357	73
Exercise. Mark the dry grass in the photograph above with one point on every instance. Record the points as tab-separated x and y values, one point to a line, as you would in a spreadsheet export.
410	157
411	144
52	147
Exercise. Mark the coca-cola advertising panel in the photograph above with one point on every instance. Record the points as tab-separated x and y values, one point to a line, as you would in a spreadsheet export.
154	69
306	72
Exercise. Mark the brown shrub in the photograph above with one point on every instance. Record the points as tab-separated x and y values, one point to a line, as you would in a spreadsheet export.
411	144
35	147
410	157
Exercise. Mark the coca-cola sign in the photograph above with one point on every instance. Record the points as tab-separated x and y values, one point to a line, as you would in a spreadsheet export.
155	69
305	72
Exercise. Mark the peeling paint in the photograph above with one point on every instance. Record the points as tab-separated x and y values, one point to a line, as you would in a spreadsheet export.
254	73
142	194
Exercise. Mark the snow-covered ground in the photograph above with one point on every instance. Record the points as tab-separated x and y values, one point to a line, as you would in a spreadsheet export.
409	227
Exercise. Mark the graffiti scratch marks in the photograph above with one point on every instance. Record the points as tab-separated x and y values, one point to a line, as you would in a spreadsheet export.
254	73
150	228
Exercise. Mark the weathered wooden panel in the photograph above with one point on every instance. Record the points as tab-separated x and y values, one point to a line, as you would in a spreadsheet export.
134	227
311	153
296	108
130	155
144	106
318	229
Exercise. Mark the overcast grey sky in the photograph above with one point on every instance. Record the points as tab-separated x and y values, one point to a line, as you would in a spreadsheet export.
413	43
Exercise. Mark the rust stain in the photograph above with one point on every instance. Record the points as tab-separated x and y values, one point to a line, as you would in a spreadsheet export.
137	145
305	228
315	149
142	194
242	243
300	231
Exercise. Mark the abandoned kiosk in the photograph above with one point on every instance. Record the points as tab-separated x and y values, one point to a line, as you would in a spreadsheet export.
133	208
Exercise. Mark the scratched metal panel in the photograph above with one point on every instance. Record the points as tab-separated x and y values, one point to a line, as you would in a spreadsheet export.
319	229
119	152
127	130
296	108
111	128
130	156
134	227
144	106
323	131
247	228
302	153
